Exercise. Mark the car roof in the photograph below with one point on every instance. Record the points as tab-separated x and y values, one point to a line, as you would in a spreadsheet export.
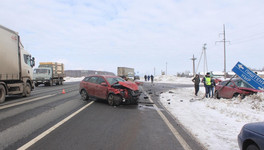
234	79
106	76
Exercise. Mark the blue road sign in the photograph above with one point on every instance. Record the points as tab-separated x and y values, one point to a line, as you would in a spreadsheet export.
248	76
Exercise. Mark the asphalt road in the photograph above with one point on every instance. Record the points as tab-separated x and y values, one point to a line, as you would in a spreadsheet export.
50	120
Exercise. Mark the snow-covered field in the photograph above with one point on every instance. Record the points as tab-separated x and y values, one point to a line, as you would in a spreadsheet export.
215	123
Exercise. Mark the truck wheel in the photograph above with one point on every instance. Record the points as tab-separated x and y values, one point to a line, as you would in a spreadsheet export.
2	93
27	90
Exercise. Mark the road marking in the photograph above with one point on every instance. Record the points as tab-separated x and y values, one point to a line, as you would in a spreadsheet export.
42	135
173	130
24	102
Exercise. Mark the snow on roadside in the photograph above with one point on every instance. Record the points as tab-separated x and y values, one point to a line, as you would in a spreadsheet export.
215	123
172	79
169	79
72	79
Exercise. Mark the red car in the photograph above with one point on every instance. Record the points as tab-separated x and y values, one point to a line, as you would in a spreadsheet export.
234	88
114	89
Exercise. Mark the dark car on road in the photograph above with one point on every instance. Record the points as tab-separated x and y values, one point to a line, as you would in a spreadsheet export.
251	136
234	88
114	89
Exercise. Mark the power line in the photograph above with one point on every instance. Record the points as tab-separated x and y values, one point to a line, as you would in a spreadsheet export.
247	40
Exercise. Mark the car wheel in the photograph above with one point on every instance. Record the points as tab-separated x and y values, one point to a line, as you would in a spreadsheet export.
252	147
217	95
36	85
110	100
242	96
117	100
84	95
2	93
27	90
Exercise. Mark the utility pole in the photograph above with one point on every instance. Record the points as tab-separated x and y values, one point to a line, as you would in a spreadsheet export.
205	59
224	41
203	54
193	59
166	68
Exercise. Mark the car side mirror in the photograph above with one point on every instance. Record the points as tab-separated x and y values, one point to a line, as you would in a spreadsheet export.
103	84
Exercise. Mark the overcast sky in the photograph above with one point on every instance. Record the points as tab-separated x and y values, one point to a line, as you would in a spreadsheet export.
143	34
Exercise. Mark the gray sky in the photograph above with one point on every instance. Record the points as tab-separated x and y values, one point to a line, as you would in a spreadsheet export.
143	34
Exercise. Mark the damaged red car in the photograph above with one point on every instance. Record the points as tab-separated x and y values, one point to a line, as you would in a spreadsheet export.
236	87
114	89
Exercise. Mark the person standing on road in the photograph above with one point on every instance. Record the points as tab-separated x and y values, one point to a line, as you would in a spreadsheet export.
152	78
145	77
207	84
196	81
148	77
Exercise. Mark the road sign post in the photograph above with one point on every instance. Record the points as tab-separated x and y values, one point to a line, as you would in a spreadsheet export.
248	76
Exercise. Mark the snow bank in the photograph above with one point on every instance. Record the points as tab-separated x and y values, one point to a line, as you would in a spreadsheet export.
173	79
170	79
72	79
216	123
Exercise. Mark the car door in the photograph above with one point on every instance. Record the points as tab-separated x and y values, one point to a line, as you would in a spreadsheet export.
91	86
101	89
84	83
227	91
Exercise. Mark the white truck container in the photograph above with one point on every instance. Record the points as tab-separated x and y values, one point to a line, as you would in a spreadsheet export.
126	72
15	65
49	73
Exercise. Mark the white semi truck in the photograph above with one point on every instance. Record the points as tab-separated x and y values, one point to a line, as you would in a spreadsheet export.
15	65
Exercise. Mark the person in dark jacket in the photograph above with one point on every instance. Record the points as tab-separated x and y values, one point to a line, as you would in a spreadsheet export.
145	77
196	81
151	78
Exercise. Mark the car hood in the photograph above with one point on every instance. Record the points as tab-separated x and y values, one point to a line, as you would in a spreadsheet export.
257	127
250	89
131	85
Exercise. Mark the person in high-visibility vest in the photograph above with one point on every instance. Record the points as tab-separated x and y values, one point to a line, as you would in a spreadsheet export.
207	80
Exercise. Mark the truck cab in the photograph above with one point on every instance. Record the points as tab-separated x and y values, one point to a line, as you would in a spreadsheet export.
42	75
27	64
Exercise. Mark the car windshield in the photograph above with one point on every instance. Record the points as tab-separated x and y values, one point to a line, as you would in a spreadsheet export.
37	71
241	83
113	80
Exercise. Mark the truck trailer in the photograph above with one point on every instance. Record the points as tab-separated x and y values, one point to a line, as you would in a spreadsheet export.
49	73
15	65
